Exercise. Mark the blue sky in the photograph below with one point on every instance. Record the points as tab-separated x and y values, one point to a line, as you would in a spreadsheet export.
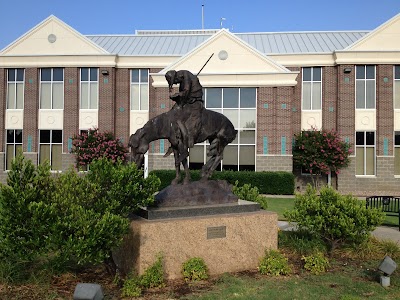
124	16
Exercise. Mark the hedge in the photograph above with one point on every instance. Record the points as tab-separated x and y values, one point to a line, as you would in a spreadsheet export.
274	183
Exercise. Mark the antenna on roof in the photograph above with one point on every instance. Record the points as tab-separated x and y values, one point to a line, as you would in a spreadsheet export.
222	19
202	16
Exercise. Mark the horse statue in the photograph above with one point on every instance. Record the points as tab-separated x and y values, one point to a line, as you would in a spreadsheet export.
217	129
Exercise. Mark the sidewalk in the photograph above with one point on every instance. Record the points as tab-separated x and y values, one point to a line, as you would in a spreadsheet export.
382	232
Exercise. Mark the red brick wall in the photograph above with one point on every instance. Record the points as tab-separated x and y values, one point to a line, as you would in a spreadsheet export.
31	107
122	104
284	99
106	100
384	108
346	103
266	123
3	92
329	97
296	103
71	105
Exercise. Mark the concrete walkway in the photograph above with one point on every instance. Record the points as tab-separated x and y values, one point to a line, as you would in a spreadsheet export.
382	232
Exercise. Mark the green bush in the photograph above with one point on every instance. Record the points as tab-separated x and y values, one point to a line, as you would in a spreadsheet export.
274	263
335	218
131	287
316	263
276	183
301	242
249	193
194	269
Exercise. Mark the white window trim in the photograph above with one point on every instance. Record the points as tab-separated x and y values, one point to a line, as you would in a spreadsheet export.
365	88
15	84
51	148
365	146
51	89
139	84
312	82
89	82
14	144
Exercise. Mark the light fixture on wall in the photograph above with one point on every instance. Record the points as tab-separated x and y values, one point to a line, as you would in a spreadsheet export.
104	72
347	70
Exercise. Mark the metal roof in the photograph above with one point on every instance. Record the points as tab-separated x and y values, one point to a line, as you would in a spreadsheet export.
175	44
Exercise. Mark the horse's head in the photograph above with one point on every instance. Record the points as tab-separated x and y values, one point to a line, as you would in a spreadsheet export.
138	146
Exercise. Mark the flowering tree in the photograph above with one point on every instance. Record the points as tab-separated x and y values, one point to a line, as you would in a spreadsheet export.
92	145
320	152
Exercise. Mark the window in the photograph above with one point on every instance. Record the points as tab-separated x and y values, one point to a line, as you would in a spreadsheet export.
15	89
239	105
50	148
52	88
89	88
140	89
396	87
365	153
365	87
13	145
312	88
397	153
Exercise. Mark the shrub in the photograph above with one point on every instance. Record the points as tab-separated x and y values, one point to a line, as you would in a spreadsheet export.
277	183
316	263
274	263
93	145
131	287
301	242
334	218
194	269
249	193
154	275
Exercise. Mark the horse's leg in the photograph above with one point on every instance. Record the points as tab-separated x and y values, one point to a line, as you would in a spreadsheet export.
177	168
186	180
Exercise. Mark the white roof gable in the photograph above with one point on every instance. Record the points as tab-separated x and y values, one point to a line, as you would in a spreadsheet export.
231	56
384	38
53	37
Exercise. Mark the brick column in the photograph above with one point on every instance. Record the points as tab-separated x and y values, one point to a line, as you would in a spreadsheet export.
266	119
329	97
284	100
71	105
3	89
384	109
296	103
31	107
122	104
107	100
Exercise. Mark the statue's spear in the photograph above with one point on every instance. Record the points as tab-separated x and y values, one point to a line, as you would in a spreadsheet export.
205	64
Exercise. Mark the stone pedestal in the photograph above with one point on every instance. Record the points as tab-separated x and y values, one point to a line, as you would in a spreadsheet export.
227	242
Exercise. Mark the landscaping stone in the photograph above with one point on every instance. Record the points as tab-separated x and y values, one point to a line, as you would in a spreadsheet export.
88	291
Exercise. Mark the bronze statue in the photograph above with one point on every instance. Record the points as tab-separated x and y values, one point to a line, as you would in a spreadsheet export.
187	123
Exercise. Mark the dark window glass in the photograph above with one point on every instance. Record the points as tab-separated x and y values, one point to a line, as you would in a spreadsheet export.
397	72
20	74
56	136
214	98
84	74
370	72
231	97
317	74
93	74
11	74
44	136
144	75
370	137
58	74
46	74
360	138
10	136
360	72
135	75
397	138
306	74
248	97
18	136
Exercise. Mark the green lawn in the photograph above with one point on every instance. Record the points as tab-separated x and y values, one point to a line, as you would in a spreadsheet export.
279	205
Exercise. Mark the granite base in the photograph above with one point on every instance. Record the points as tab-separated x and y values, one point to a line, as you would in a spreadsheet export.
227	242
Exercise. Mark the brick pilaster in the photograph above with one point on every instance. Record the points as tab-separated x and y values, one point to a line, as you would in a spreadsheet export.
107	100
3	89
31	108
329	97
71	105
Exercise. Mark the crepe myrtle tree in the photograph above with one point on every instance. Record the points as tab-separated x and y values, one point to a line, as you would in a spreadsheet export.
93	145
320	152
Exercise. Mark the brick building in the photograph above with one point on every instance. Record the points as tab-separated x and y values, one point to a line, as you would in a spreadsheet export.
56	82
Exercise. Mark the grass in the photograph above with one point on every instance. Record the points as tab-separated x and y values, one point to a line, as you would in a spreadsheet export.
279	205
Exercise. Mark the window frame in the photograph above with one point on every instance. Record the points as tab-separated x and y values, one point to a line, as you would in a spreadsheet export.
89	83
51	143
364	147
14	145
237	142
52	82
15	82
394	88
395	146
139	84
365	79
312	82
